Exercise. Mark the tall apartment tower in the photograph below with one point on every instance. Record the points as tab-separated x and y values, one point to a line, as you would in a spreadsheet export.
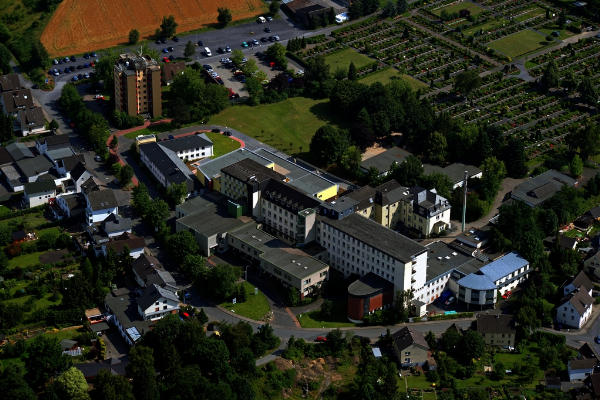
138	85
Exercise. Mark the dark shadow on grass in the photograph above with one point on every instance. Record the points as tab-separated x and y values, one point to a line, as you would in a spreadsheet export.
324	113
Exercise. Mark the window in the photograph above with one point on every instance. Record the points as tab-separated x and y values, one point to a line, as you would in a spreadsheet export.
156	309
164	307
156	303
407	353
407	360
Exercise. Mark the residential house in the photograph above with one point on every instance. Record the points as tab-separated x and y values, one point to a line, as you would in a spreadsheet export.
9	83
13	178
579	369
115	225
171	69
38	193
410	347
591	265
579	281
19	100
168	168
65	165
575	309
593	384
54	142
31	121
475	237
69	206
32	168
190	148
94	315
100	204
81	174
497	330
157	302
136	245
594	213
123	313
535	191
584	222
383	161
587	350
113	365
563	241
143	266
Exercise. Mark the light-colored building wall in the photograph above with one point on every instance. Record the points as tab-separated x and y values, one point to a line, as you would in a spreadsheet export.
411	356
37	199
195	153
143	139
499	339
568	315
159	309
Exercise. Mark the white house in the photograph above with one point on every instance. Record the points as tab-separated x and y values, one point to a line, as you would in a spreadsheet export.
157	302
69	206
189	148
81	174
580	281
575	309
579	369
136	245
38	193
100	204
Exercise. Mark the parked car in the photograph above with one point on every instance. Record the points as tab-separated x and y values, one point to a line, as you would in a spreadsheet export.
166	59
75	79
73	59
268	30
60	61
55	62
66	59
450	300
163	40
171	49
207	67
35	87
321	339
157	41
116	181
244	44
506	295
86	56
264	39
80	66
60	71
97	158
99	97
220	50
269	19
93	54
171	57
200	43
598	339
165	50
255	42
86	75
175	39
86	65
228	133
228	49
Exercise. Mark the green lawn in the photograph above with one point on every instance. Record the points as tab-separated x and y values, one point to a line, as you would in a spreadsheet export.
222	144
573	233
25	260
337	319
155	130
519	43
563	32
488	26
386	75
454	8
66	334
429	396
4	210
293	121
47	230
345	57
255	307
417	382
530	14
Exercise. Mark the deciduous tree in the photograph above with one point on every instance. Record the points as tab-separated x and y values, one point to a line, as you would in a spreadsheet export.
435	149
329	144
190	49
168	26
576	166
134	36
113	387
551	75
141	371
13	385
588	91
409	172
224	16
71	384
466	82
44	360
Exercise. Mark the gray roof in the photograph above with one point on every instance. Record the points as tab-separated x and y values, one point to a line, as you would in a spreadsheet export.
586	363
370	284
79	169
580	300
55	140
59	153
213	168
40	186
499	323
211	220
581	279
145	265
163	279
34	166
594	212
75	202
456	172
540	188
384	160
19	151
406	337
170	165
11	173
194	204
443	258
247	169
9	83
288	197
475	235
32	117
154	293
588	351
115	224
71	161
503	266
102	199
185	143
5	157
124	308
377	236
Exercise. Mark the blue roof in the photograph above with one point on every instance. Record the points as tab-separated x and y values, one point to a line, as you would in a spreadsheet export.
477	281
504	266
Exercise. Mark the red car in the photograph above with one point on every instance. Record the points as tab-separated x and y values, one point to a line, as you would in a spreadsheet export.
166	59
72	125
506	295
321	339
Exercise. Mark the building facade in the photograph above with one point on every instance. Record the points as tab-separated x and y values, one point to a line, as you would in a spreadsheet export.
138	85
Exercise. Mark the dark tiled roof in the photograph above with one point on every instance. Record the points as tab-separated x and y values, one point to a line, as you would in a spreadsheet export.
9	83
501	323
580	300
287	196
170	166
102	199
581	279
79	170
19	235
145	265
538	189
169	70
594	381
115	224
161	278
34	166
134	242
406	337
56	140
456	172
89	370
15	101
70	162
586	363
75	202
594	212
588	351
32	116
245	169
92	184
5	157
153	294
40	186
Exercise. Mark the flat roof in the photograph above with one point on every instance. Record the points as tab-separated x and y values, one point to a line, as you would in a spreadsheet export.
125	310
377	236
443	258
475	235
383	161
211	220
504	265
456	171
194	204
186	143
540	188
213	167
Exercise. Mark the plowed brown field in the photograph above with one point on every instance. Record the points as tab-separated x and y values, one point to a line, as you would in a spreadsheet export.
80	26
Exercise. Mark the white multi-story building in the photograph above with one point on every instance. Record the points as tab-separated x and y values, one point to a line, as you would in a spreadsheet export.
191	147
575	309
157	302
358	245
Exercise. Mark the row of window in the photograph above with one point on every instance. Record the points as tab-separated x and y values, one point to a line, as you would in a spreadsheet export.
278	209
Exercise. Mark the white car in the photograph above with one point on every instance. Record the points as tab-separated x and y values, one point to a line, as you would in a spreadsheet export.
450	300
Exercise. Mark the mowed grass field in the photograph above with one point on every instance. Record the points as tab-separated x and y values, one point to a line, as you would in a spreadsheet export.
519	43
222	144
345	57
385	76
291	121
255	307
79	26
454	8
